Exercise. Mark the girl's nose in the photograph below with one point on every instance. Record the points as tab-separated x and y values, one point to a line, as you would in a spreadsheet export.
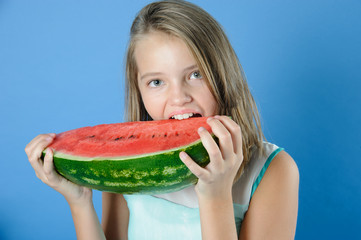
179	96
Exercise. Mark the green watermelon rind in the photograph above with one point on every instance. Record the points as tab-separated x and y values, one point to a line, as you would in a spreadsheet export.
155	173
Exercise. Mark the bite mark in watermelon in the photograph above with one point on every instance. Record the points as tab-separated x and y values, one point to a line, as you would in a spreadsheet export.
133	157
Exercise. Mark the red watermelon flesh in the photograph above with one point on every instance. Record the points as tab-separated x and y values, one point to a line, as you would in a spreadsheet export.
130	138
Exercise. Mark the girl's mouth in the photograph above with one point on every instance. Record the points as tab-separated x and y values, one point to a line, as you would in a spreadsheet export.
185	116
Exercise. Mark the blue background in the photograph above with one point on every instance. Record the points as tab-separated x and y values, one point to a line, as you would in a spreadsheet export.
62	67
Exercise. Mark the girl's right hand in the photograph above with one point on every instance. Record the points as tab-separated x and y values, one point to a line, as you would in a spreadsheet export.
45	171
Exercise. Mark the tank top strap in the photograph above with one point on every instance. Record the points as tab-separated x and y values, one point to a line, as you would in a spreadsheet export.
251	177
263	170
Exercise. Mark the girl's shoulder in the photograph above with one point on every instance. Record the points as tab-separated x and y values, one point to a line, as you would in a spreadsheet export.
254	171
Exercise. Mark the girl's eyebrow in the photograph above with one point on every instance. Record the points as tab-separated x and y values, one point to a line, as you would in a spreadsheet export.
190	67
150	74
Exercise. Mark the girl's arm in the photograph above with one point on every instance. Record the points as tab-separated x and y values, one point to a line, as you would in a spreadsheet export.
217	218
86	221
79	198
272	213
115	216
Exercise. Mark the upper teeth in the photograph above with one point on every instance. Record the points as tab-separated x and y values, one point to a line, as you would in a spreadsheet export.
182	116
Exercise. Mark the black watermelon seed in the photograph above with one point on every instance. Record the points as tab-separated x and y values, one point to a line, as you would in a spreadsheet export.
119	138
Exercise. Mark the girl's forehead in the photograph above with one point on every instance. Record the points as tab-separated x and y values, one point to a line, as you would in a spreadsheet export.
159	46
157	38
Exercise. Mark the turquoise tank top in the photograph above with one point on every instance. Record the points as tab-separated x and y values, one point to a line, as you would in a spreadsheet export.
164	216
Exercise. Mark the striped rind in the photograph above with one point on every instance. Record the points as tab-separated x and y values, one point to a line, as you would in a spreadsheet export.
155	173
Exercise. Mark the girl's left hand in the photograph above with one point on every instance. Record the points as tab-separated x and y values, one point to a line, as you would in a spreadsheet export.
216	179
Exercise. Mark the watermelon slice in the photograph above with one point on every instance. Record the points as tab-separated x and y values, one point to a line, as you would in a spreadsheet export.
133	157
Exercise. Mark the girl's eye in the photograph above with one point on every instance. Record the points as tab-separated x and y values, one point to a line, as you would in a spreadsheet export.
196	75
155	83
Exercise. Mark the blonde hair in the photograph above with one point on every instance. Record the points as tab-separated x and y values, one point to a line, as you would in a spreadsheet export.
215	57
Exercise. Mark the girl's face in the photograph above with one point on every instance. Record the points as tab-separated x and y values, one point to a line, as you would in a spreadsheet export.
169	79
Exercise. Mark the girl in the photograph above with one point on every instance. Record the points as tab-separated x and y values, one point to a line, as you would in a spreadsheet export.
180	64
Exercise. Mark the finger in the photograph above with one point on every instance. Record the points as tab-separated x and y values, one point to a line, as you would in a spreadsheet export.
235	131
212	148
38	138
49	170
224	137
197	170
38	144
37	165
34	151
42	145
32	144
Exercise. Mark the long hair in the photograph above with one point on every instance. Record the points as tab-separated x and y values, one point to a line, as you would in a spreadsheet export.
215	57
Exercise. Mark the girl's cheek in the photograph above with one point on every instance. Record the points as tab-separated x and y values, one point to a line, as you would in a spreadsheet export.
154	107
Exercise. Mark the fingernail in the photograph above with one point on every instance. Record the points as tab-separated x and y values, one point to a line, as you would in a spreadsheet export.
201	129
182	155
